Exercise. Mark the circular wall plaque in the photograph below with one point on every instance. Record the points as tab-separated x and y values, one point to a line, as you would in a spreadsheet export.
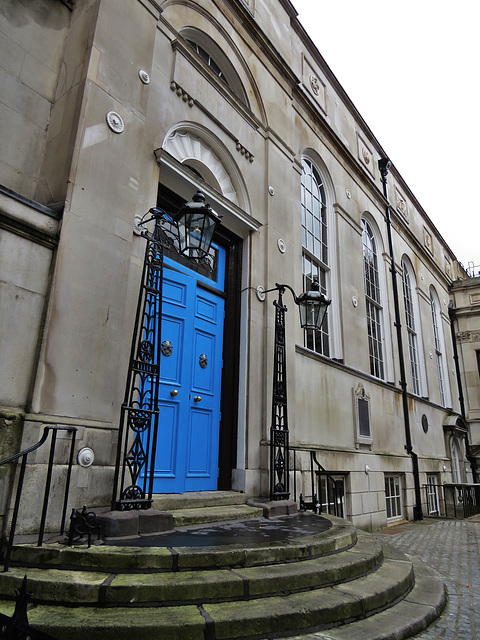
85	457
144	77
115	122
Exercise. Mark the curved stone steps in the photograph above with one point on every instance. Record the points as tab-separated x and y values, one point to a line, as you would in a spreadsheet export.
329	585
186	587
276	614
339	537
414	613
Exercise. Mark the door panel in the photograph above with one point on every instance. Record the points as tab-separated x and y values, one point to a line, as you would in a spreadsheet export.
199	454
202	471
190	383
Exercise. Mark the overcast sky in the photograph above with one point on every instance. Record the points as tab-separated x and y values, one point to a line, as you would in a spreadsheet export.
411	68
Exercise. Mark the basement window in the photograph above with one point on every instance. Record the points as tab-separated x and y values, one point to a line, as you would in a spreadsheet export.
393	497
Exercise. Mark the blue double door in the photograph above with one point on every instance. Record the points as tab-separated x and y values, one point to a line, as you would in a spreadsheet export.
190	380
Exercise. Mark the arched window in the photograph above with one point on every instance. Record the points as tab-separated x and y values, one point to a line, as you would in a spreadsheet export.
411	315
456	460
206	57
315	258
373	301
439	349
217	61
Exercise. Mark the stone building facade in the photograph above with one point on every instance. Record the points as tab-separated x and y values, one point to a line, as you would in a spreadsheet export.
109	109
465	318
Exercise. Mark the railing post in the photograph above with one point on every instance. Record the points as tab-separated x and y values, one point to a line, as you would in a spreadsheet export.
67	482
279	434
139	411
21	477
16	507
47	488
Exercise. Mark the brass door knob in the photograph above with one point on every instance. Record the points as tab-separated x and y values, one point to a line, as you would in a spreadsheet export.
197	398
174	392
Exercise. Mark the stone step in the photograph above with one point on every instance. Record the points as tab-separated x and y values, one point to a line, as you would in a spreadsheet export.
280	614
306	577
113	559
187	587
208	514
196	499
414	613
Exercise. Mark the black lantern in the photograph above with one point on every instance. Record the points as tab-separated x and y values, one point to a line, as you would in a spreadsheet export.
196	225
313	307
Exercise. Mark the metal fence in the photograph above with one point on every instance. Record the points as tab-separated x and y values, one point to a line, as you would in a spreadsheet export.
452	500
321	491
23	455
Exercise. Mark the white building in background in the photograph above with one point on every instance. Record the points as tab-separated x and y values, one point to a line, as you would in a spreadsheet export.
109	109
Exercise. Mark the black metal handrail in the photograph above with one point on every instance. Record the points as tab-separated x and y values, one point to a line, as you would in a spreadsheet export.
328	484
461	499
24	455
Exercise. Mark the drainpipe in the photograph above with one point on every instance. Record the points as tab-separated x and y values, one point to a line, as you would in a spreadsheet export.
470	458
384	165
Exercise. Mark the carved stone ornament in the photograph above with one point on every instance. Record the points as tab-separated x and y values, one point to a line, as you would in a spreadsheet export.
144	77
115	122
427	240
468	336
401	204
85	457
366	156
315	84
360	392
448	267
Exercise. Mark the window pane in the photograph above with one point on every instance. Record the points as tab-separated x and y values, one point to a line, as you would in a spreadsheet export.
373	302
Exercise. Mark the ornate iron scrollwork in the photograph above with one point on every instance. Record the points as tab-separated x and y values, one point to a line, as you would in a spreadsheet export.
203	360
139	412
146	351
83	523
279	435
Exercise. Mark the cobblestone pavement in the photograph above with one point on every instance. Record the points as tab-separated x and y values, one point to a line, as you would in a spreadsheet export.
452	548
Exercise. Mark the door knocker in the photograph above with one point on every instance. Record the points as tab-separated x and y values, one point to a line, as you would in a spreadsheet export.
203	360
167	348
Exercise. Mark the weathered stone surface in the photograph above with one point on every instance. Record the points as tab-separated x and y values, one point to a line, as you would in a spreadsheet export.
11	423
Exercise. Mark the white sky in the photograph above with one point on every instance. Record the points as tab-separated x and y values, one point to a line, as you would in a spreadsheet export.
411	68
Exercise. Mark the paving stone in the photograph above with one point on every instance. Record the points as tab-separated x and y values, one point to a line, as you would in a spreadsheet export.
452	548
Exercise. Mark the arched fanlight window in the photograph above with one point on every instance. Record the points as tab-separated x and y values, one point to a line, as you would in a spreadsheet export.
216	59
373	301
315	247
206	57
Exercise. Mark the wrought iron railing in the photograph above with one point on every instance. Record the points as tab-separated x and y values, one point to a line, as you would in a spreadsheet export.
452	500
473	270
46	495
17	627
324	491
